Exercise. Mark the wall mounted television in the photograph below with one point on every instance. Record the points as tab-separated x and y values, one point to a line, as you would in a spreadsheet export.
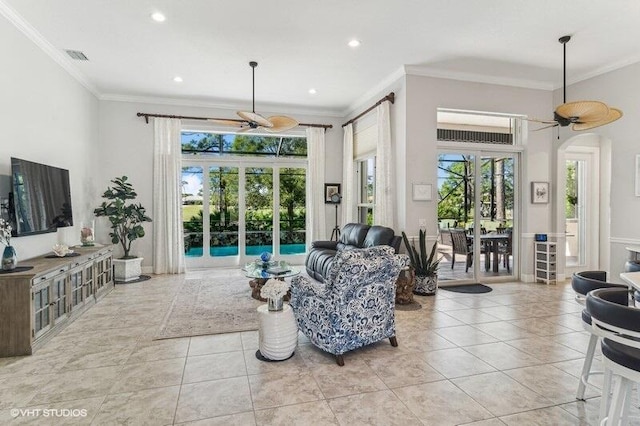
41	198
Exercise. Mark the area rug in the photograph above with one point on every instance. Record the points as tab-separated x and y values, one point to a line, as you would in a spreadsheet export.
210	306
468	288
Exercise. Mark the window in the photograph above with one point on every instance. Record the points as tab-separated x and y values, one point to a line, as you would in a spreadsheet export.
244	145
366	176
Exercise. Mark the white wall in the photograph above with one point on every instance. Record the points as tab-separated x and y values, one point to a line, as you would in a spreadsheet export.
619	89
46	116
126	148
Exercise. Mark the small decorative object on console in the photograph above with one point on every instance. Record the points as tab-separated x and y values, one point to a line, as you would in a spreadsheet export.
86	233
61	250
9	256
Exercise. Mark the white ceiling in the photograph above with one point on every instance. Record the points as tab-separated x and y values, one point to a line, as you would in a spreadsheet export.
300	44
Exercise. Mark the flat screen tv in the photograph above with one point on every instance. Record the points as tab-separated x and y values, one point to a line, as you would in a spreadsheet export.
41	198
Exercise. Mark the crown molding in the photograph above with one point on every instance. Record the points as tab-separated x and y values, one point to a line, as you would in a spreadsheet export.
38	39
602	70
231	106
477	78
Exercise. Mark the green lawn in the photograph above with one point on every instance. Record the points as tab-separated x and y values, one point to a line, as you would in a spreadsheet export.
190	211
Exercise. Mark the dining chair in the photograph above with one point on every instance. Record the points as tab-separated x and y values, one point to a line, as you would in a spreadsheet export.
461	246
619	326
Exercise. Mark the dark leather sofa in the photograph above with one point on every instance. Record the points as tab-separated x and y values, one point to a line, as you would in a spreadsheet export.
352	235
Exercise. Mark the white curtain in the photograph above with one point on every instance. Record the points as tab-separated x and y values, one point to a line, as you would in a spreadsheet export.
168	252
316	221
348	178
385	203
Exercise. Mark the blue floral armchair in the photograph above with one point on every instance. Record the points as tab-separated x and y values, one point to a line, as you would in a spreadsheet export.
356	304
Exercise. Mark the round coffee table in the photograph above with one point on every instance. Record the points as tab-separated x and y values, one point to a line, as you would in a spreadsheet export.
260	274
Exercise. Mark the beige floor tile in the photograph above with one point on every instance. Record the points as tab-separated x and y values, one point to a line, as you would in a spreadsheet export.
437	320
377	408
354	377
555	384
545	416
231	396
574	367
578	341
472	316
504	331
476	301
446	305
159	349
250	340
99	356
506	396
441	403
489	422
423	341
240	419
72	385
147	375
315	413
146	407
545	349
465	335
204	345
457	363
510	312
295	364
215	366
403	370
274	389
502	356
572	321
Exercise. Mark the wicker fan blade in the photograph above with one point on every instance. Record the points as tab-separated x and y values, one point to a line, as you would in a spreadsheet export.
585	111
256	118
537	120
614	114
245	129
281	123
230	122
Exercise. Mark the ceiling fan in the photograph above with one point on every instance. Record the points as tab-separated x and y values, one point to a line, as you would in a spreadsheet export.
251	120
582	115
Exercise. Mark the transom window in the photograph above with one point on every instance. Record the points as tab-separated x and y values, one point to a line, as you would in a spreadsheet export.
243	144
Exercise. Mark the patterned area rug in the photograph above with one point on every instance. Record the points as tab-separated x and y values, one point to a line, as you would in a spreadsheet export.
211	306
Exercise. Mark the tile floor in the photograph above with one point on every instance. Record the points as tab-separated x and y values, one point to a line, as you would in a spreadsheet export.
511	357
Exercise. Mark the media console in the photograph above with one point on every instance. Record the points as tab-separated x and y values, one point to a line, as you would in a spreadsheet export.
36	304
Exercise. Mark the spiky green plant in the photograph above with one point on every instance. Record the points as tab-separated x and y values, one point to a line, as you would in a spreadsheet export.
422	265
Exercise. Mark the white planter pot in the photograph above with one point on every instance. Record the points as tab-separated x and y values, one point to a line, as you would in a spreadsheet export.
127	269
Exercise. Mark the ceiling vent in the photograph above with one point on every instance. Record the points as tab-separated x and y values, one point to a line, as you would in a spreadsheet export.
77	55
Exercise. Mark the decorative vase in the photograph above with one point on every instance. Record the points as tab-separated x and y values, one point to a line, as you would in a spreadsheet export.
87	236
426	285
275	304
9	259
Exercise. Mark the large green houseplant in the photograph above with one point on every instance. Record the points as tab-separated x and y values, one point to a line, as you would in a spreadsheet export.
424	268
126	225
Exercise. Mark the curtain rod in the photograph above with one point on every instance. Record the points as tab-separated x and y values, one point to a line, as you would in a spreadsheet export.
391	97
236	120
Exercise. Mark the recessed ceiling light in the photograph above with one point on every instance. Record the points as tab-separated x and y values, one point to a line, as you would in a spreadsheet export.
312	91
177	79
158	17
354	43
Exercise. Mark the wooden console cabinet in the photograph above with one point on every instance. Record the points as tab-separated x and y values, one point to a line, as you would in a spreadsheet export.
36	304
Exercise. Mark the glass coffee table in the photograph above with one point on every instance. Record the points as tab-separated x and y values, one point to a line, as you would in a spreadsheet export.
260	272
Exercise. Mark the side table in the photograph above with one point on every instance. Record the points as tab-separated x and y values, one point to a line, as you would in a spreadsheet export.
278	334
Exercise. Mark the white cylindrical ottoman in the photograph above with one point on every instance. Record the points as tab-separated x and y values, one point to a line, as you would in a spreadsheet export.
278	334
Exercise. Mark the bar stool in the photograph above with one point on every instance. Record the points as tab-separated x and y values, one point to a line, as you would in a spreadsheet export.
582	283
619	326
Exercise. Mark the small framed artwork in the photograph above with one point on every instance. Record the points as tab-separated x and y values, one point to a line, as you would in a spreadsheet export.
332	193
637	175
421	192
539	192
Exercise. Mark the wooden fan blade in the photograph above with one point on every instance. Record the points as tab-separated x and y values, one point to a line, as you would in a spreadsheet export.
614	114
256	118
229	122
281	123
546	127
585	111
245	129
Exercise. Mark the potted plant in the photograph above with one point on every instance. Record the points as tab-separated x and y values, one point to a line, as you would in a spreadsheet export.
424	269
126	224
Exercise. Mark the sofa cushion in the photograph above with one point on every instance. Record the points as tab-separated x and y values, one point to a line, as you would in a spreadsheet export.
352	236
379	236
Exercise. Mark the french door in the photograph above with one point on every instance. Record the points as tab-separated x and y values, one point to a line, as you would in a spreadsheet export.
477	215
235	210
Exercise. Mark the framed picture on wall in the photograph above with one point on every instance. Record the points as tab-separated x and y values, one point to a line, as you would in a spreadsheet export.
539	192
332	193
421	192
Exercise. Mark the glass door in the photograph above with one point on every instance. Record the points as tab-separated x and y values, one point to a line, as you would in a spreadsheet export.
476	215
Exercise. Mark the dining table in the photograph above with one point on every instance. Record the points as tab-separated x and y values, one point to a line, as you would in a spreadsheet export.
491	243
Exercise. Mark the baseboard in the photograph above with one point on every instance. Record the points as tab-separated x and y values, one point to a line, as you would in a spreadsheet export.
147	269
